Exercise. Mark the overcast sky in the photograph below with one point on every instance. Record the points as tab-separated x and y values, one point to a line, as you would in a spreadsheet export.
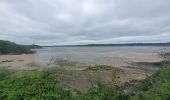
58	22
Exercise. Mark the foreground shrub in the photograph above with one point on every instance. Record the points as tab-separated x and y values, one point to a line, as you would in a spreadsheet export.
32	85
156	87
42	85
104	92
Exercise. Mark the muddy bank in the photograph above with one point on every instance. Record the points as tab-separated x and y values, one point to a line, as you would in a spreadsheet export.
20	62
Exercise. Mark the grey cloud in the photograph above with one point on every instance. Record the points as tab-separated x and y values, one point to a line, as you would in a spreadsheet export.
59	22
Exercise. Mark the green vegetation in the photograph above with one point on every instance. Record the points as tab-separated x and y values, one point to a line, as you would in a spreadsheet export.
72	68
104	92
99	68
89	68
156	87
43	85
7	47
32	85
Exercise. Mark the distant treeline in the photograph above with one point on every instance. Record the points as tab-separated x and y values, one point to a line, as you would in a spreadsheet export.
126	44
7	47
132	44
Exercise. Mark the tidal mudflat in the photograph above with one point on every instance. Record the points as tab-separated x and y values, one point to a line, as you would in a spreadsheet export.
134	61
115	56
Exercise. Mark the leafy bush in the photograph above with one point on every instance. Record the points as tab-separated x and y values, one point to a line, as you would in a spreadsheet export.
42	85
32	85
157	86
104	92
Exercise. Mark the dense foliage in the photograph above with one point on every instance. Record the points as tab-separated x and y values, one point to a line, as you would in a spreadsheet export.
42	85
7	47
156	87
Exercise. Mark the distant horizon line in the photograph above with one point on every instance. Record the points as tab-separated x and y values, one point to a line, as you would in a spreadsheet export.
114	44
104	44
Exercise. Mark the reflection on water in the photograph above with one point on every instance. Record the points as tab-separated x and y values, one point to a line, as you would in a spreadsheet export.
102	55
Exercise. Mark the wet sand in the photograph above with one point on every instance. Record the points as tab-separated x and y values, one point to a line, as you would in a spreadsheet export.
123	59
20	62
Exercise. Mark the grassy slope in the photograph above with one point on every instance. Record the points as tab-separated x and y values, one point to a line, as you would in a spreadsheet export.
7	47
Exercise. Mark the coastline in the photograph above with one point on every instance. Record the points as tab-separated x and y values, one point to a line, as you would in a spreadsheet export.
132	64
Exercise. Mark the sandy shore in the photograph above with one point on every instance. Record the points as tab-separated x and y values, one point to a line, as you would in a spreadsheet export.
20	62
119	59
